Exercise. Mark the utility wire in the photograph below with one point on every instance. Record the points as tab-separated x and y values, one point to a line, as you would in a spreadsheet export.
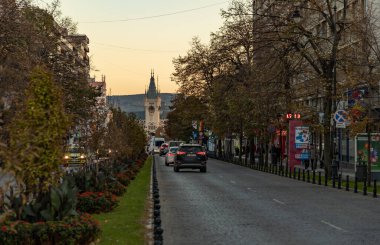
153	16
134	49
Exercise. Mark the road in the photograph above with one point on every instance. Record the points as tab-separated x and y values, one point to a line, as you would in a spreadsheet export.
232	205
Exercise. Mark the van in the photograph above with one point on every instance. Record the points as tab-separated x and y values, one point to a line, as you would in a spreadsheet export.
155	143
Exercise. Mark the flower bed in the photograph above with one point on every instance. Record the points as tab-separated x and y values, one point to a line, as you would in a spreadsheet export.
117	188
96	202
123	178
82	229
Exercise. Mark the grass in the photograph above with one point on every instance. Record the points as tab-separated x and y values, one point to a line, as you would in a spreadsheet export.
125	224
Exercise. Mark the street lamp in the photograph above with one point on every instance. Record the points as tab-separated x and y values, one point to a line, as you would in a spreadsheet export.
279	119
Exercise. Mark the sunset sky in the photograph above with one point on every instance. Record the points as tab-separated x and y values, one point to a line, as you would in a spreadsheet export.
125	50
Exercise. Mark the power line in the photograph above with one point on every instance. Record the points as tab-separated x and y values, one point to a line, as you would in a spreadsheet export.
134	49
154	16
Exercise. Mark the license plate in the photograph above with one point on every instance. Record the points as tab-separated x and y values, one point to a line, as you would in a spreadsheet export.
191	155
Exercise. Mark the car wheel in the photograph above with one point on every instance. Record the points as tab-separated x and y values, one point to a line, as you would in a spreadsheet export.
166	163
204	170
176	169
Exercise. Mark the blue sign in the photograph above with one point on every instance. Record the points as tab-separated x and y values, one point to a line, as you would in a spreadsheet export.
341	116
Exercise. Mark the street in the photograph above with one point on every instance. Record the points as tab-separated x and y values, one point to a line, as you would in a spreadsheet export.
231	204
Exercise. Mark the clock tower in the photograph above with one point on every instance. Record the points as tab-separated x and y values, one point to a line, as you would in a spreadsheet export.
152	104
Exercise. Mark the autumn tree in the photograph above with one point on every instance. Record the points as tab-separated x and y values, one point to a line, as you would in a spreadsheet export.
36	135
184	110
125	138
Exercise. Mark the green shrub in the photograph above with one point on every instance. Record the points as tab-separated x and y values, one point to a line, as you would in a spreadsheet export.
116	188
81	229
123	178
96	202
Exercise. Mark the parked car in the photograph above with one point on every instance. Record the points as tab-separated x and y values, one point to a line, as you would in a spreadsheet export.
164	148
170	156
190	156
75	155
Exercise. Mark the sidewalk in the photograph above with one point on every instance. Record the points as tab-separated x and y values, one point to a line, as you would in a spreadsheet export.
346	169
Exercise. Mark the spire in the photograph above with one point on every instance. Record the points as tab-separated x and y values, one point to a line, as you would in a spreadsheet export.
152	90
158	91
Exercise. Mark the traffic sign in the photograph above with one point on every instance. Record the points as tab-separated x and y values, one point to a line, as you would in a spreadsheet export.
341	116
340	125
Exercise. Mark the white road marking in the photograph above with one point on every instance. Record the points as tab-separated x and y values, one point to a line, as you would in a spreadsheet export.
279	201
233	182
333	226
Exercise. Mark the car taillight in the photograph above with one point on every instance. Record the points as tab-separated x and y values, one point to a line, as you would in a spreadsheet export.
170	154
202	153
181	153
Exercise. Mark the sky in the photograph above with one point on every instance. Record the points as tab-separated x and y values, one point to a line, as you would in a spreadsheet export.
126	43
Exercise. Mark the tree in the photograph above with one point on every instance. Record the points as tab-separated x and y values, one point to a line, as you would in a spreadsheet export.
185	110
125	137
36	135
30	36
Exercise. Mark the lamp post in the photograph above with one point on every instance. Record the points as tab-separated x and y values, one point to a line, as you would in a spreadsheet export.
279	119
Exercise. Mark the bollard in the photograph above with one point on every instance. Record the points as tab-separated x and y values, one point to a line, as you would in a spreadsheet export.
303	175
319	177
290	172
299	174
313	176
347	183
374	189
356	185
339	181
286	172
333	180
308	176
365	187
326	179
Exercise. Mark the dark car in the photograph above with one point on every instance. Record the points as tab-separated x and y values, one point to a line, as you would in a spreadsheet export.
190	156
164	148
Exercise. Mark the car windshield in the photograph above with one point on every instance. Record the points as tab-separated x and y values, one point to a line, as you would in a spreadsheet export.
74	150
191	148
158	143
173	149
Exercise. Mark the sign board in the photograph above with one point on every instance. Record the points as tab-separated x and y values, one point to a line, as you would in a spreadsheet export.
341	116
340	125
296	138
361	150
302	137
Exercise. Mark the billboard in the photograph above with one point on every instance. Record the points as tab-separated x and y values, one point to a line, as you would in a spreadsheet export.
361	150
299	141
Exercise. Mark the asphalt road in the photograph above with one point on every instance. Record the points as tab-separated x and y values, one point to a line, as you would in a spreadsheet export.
232	205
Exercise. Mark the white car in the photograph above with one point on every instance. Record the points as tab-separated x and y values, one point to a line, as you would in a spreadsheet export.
170	156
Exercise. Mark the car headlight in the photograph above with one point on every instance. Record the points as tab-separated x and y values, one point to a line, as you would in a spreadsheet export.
82	157
66	157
